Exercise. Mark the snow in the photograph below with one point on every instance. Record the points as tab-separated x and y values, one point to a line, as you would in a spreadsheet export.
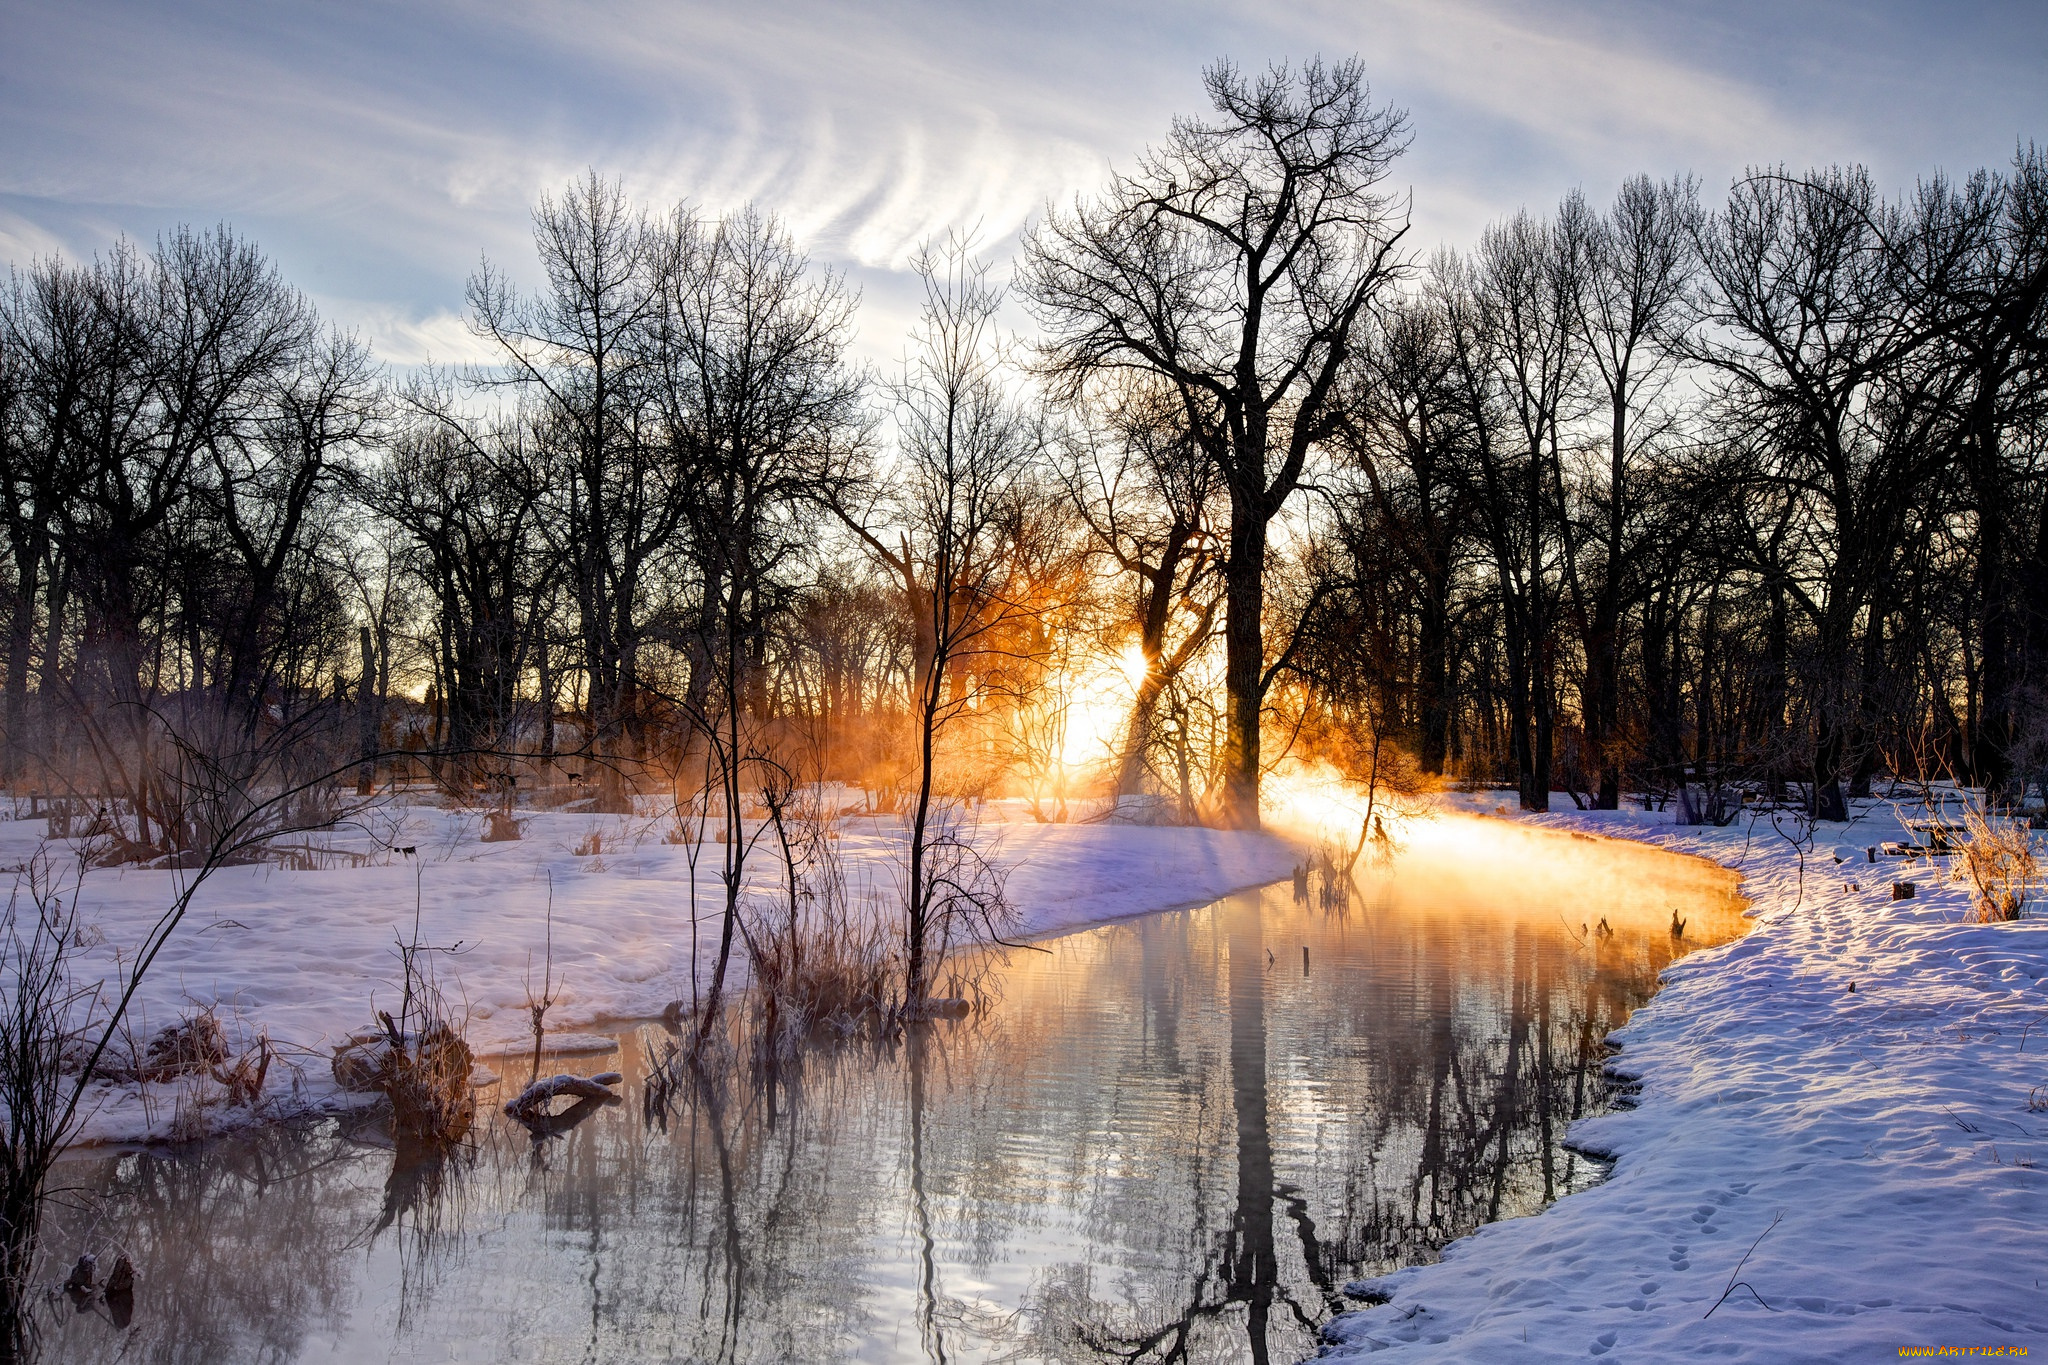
1863	1162
307	956
1862	1165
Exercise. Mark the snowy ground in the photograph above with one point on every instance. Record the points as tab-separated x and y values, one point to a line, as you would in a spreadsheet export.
308	955
1850	1083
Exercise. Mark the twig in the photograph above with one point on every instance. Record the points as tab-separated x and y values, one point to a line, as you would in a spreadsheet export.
1733	1284
539	1008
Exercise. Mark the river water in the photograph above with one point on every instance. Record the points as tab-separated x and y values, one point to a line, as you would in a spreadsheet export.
1174	1138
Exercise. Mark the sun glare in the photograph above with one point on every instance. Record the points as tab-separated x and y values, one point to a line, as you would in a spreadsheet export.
1098	698
1312	801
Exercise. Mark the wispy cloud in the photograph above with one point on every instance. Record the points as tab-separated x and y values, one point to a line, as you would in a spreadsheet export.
379	149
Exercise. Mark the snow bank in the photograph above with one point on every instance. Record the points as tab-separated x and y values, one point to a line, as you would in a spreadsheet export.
307	955
1878	1140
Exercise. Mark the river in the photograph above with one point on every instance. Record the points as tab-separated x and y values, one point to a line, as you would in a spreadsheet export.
1173	1138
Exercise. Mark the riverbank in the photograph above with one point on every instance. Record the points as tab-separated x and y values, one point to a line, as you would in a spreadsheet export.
1832	1154
305	957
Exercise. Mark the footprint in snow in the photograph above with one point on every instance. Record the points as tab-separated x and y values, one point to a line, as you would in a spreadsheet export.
1602	1344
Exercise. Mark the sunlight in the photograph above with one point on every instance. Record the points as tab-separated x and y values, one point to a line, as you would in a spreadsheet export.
1313	801
1098	698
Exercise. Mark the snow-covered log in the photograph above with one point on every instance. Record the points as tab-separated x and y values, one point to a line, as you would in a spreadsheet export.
533	1101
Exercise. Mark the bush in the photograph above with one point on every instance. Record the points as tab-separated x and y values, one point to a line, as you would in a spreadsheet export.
1997	856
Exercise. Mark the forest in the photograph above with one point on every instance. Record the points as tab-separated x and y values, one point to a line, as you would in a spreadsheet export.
1217	471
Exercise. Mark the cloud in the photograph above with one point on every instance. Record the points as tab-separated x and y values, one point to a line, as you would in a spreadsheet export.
442	338
379	149
24	239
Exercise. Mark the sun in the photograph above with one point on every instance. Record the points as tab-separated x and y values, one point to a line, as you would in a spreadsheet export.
1099	696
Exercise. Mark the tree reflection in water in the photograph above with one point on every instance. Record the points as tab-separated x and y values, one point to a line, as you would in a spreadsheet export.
1165	1144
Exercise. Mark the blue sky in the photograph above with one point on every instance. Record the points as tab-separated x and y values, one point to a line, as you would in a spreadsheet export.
377	150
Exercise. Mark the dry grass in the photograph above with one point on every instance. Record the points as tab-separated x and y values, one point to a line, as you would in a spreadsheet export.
824	966
427	1081
821	986
195	1059
196	1043
424	1063
1997	857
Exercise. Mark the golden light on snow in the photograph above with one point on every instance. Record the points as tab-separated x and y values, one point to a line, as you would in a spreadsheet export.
1313	801
1576	879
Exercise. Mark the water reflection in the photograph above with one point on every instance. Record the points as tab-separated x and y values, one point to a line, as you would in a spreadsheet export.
1174	1140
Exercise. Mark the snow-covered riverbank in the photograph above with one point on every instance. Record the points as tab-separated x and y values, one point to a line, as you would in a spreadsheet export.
306	955
1849	1083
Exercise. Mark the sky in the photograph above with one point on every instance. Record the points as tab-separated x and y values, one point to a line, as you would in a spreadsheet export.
379	151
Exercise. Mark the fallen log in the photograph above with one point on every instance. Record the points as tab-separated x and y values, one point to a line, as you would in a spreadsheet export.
532	1102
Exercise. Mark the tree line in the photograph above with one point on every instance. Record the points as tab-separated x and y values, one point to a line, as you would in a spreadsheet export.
1752	492
1615	495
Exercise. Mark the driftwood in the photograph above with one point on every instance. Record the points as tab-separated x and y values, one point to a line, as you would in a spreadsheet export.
532	1103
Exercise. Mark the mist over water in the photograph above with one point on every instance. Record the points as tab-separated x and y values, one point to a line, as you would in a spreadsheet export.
1176	1136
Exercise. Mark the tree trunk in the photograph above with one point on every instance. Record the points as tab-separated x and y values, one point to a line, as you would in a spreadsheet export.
1519	746
1244	664
1831	739
1543	690
20	647
369	711
1777	685
1144	709
1432	692
1992	735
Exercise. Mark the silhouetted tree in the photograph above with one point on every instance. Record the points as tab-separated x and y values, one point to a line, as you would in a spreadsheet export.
1234	265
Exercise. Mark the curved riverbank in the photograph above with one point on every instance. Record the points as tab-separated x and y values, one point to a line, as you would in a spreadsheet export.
304	957
1833	1116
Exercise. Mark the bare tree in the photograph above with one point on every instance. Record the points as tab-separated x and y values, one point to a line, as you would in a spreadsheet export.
1234	265
466	500
1639	265
1406	430
178	419
582	347
53	346
749	387
1147	495
1814	309
948	531
2001	350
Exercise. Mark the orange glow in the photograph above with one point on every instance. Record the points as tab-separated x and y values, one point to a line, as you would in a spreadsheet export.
1313	801
1098	697
1575	878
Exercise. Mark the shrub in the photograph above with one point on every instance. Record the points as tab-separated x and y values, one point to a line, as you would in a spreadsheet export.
1997	856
